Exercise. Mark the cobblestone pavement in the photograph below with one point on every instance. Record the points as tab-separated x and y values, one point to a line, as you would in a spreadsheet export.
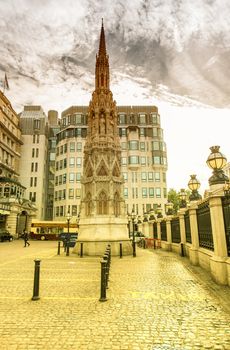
155	301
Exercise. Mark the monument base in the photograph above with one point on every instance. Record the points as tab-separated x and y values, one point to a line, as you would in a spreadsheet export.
96	233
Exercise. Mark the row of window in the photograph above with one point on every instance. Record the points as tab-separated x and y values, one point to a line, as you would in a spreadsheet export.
33	181
141	118
62	164
71	133
143	160
72	194
36	138
34	167
35	152
144	176
73	146
146	192
143	146
146	132
74	119
63	210
73	177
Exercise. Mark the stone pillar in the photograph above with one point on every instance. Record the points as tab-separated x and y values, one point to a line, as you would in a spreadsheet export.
193	252
11	223
145	228
169	233
218	261
159	229
182	225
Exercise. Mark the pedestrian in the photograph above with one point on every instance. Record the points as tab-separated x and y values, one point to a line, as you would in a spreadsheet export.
26	238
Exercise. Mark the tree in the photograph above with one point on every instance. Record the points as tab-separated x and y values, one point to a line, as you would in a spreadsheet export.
174	198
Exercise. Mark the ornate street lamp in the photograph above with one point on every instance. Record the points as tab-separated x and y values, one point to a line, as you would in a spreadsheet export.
216	161
169	208
151	215
145	217
133	217
182	196
194	185
227	189
68	218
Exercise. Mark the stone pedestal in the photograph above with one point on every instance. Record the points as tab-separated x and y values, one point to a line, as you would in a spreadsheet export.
218	269
97	233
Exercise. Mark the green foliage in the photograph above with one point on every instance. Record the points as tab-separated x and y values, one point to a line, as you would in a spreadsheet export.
174	197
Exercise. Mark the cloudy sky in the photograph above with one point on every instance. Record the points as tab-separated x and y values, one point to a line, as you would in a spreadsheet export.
171	53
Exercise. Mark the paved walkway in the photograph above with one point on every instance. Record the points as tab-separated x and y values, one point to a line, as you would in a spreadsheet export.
155	301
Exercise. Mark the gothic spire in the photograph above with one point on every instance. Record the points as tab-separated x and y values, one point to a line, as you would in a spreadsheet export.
102	64
102	46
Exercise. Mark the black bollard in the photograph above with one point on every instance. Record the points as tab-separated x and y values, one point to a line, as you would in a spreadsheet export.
182	249
67	248
81	251
120	250
103	281
59	247
36	279
65	244
154	243
134	249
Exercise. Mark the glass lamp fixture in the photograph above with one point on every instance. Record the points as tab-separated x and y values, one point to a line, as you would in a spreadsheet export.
182	196
145	217
159	212
151	215
216	161
194	185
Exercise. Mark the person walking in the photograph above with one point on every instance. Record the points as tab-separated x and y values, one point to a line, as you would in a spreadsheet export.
26	238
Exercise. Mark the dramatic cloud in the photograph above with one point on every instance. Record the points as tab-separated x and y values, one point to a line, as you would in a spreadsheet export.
167	53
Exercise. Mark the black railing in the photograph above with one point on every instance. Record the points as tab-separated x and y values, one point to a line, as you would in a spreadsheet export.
175	229
226	213
187	227
163	231
155	230
204	226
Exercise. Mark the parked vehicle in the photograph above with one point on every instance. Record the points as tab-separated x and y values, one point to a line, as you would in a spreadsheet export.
5	236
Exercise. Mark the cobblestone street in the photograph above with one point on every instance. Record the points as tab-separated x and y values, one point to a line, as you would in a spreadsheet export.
155	301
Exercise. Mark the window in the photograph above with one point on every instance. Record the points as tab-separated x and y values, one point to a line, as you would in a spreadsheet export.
57	151
79	146
60	179
124	145
144	177
157	177
156	146
126	192
123	131
64	163
36	123
144	192
72	147
164	177
123	160
61	150
78	118
35	181
65	148
122	119
78	131
37	152
71	193
155	134
165	192
31	182
158	192
156	160
71	162
125	176
33	152
142	119
57	165
142	132
134	145
150	176
36	167
143	160
32	167
78	162
151	192
56	180
78	177
133	160
34	138
64	178
78	193
142	146
71	177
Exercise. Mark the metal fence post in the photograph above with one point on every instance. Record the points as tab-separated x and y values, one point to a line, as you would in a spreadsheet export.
103	281
120	250
67	248
81	251
59	246
36	279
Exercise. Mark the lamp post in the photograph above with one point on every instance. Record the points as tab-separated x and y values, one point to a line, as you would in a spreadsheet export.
182	196
68	217
133	216
78	220
216	161
145	217
151	215
194	185
159	212
129	222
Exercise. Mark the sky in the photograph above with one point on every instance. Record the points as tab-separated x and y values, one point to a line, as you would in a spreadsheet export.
173	54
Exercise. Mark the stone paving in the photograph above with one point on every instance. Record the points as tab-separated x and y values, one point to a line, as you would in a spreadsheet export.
155	301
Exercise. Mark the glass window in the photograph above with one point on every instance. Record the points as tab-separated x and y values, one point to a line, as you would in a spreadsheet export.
124	145
78	162
134	145
64	163
144	177
36	166
157	176
71	162
155	134
78	118
164	177
151	192
150	176
143	160
78	193
123	131
126	192
156	146
142	118
123	160
64	178
79	146
122	119
71	193
142	132
71	177
65	147
31	182
133	160
144	192
61	150
61	164
125	176
78	131
142	146
158	192
60	179
33	152
165	192
78	177
72	147
32	167
156	160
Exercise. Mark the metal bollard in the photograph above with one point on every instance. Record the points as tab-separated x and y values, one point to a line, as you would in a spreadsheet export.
120	250
67	248
36	279
59	247
182	249
154	243
64	244
81	251
144	244
103	281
